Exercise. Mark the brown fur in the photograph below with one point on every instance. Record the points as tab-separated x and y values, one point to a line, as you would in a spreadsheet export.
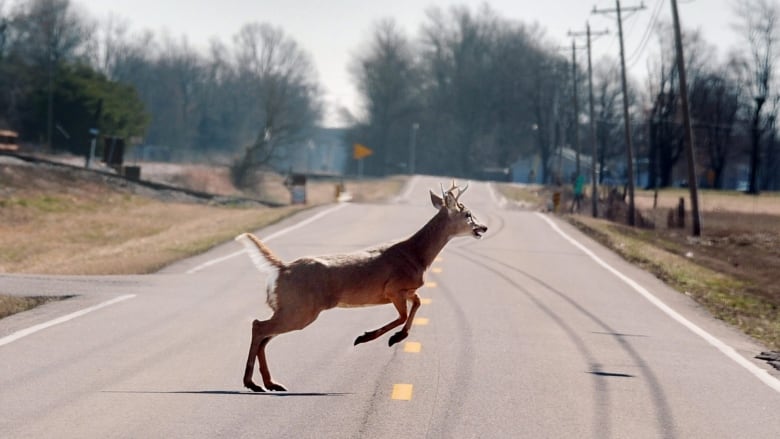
382	275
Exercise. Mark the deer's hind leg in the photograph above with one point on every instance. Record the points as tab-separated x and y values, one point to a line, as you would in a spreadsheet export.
264	372
262	333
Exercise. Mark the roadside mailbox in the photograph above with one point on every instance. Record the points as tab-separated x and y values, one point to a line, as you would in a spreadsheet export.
297	186
113	151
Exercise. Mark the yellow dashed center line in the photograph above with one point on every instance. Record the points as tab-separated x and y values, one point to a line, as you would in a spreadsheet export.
402	392
438	259
412	346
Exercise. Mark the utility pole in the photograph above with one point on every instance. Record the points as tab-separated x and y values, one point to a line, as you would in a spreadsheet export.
594	148
627	122
413	148
689	147
576	120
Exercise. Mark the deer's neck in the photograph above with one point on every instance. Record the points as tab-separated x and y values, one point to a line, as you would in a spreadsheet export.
424	245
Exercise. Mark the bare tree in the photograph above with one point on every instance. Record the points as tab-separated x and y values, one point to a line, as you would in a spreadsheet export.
609	129
545	92
771	164
280	81
715	104
758	24
667	143
108	44
478	67
387	79
5	31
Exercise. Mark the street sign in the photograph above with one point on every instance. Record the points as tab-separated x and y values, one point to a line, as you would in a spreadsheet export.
361	151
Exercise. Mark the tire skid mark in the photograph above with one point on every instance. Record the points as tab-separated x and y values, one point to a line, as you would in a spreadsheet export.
664	417
463	372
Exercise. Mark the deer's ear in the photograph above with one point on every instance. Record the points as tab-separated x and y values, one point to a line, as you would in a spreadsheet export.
436	200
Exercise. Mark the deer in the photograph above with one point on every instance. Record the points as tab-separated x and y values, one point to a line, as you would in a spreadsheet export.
298	291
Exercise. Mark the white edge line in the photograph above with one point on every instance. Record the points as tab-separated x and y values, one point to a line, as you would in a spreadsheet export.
270	237
39	327
761	374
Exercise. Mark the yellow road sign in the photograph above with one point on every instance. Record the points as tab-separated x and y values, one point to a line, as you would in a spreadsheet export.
361	151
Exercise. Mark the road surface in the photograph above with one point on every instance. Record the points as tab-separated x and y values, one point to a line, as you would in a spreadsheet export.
534	331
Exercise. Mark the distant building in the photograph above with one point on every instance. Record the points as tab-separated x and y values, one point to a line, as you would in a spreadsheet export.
324	153
529	169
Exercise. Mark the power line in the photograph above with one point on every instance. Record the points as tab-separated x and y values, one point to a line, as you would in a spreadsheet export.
634	57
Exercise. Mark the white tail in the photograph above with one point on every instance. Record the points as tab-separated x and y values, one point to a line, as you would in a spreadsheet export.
265	261
259	254
298	291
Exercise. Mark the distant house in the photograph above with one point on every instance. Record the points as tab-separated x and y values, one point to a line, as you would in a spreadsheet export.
152	153
324	153
529	169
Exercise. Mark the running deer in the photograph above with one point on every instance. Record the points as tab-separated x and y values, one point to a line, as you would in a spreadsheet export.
298	291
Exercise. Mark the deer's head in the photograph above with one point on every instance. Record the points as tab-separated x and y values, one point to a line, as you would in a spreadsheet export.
461	221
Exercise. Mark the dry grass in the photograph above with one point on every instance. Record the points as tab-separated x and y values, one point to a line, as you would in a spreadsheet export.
713	201
269	186
530	195
124	236
14	304
368	190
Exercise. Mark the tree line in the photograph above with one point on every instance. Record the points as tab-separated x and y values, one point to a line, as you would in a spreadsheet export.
485	91
64	73
470	93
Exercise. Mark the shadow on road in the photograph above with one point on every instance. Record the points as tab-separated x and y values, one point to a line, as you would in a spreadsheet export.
225	392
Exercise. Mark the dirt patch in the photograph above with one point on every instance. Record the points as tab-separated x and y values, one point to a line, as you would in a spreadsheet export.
746	246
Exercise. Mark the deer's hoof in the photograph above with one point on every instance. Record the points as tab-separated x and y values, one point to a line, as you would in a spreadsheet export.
398	336
275	387
253	387
362	339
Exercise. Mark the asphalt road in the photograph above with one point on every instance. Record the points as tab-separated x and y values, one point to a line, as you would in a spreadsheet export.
525	333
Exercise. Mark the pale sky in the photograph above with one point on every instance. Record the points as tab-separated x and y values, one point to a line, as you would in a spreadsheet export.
332	31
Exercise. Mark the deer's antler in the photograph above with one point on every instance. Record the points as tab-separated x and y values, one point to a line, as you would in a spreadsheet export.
461	191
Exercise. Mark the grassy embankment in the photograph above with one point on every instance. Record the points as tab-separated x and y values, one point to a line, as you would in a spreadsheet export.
54	224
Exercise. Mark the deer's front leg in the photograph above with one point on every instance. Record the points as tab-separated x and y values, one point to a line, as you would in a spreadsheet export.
400	305
404	332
